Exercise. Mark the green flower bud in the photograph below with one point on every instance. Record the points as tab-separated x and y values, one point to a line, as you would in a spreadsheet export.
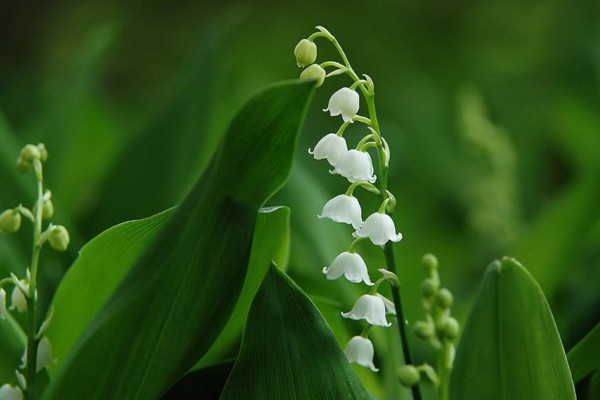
47	209
59	238
451	328
23	166
424	330
30	153
429	261
305	52
428	287
408	375
314	72
444	298
43	152
10	221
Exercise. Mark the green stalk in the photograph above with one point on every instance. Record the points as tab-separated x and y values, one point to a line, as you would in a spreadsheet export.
32	342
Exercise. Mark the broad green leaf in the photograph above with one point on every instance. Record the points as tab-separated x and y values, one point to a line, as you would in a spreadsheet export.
206	383
584	358
271	242
176	299
101	265
288	351
510	348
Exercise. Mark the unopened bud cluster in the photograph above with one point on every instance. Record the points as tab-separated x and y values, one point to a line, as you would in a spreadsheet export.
356	166
24	293
439	328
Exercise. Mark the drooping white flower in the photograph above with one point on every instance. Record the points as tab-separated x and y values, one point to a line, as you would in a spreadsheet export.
346	102
369	308
351	265
390	307
2	303
379	228
331	147
345	209
356	166
18	300
360	350
9	392
44	355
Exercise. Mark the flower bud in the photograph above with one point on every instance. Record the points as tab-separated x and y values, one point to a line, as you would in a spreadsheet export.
429	261
47	209
59	238
29	153
18	300
305	53
10	221
43	152
428	287
408	375
9	392
23	166
451	328
444	298
44	355
314	72
424	330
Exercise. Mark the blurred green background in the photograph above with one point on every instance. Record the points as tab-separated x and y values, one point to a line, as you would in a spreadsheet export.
491	109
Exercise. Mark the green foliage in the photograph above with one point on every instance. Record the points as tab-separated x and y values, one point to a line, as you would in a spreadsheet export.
288	350
584	358
12	343
206	383
510	347
175	300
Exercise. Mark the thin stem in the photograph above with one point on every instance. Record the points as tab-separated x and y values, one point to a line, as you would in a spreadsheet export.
32	341
445	370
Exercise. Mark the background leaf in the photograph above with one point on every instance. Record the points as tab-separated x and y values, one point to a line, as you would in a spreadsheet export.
288	350
584	358
12	344
510	348
206	383
154	328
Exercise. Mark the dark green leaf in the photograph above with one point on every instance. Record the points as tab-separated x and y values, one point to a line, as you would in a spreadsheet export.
584	358
176	299
288	351
206	383
12	344
510	348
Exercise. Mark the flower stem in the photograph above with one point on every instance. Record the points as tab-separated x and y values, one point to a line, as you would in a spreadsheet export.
445	370
32	342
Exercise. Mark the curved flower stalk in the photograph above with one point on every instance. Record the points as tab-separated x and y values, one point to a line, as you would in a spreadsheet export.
37	353
356	165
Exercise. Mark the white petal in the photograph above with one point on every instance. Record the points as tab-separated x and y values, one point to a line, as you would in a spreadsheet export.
9	392
356	166
360	350
369	308
18	300
351	265
44	356
379	228
343	208
331	147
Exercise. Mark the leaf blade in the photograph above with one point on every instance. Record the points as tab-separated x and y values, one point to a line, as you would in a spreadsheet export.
584	358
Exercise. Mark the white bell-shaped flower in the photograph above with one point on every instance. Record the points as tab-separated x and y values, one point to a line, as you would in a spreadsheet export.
351	265
2	303
356	166
331	147
379	228
345	209
360	350
346	102
18	300
44	355
9	392
369	308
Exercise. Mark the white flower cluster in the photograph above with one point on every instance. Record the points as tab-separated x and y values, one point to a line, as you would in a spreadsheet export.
356	166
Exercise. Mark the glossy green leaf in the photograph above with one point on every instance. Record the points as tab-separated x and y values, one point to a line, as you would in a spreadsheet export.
510	348
101	265
584	358
288	350
271	242
206	383
176	299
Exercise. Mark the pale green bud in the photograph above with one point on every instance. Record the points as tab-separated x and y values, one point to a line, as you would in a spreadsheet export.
43	152
30	153
428	287
47	209
424	330
451	328
305	52
444	298
23	166
314	72
408	375
429	261
59	238
10	221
